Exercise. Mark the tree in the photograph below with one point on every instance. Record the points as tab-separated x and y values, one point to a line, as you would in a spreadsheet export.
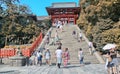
101	20
13	20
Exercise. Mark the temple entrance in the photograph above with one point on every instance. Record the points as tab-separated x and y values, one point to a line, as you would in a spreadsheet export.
67	13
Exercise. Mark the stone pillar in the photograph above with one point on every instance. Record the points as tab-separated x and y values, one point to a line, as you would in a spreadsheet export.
18	59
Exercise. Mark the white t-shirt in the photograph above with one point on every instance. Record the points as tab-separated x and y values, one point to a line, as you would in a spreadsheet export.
80	54
58	53
38	54
47	55
80	34
90	44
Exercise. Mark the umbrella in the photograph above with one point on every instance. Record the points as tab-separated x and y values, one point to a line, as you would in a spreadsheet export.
109	46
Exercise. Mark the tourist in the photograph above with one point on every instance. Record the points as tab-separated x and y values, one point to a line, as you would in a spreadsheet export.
90	44
47	39
49	34
61	28
74	33
80	36
56	37
59	44
80	56
58	54
66	57
108	64
114	61
111	61
27	61
39	57
58	24
35	58
52	42
47	56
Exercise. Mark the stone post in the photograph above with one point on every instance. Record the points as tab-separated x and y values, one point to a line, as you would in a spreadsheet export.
18	59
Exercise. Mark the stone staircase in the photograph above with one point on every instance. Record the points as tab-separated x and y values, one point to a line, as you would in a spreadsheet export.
92	65
68	41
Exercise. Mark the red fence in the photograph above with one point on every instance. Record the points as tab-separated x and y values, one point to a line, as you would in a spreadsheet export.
7	53
29	51
26	52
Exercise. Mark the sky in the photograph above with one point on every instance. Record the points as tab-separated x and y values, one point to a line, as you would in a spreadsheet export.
38	7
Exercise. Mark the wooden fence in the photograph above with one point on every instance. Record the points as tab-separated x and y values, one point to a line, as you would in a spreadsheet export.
8	52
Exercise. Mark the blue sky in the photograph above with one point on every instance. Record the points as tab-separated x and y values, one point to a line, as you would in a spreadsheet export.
38	6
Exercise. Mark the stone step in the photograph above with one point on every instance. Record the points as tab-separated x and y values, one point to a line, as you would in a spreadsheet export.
70	42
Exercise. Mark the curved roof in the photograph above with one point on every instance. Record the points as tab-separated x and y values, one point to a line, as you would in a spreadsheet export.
63	8
63	4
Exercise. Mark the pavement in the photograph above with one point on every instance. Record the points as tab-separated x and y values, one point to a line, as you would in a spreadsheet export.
44	69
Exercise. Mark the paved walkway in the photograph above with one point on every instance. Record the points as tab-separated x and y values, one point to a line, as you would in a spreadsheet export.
91	66
72	69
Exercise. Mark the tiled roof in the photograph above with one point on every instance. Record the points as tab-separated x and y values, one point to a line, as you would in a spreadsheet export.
39	18
63	4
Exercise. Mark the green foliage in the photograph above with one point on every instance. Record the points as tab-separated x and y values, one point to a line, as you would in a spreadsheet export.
89	33
111	36
17	24
100	20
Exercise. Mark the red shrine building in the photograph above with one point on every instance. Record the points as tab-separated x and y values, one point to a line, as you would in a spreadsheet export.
67	12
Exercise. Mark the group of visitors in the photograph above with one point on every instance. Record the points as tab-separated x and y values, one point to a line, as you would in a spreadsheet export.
39	55
59	25
65	55
77	36
55	40
62	55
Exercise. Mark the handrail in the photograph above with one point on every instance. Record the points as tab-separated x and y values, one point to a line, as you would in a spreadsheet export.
41	46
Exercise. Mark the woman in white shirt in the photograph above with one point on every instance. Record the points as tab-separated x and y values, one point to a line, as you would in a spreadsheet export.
58	53
47	56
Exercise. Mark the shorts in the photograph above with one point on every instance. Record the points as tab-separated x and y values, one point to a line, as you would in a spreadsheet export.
81	38
90	46
110	64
